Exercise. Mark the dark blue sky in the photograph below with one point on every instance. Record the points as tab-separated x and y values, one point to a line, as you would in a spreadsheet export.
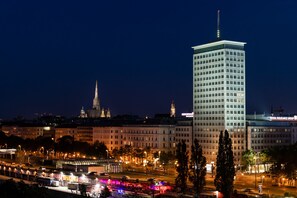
51	53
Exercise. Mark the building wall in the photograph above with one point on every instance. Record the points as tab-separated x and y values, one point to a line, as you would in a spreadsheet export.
158	138
84	134
184	133
25	131
294	134
67	131
265	137
111	136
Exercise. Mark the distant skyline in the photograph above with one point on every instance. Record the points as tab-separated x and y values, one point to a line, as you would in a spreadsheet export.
139	51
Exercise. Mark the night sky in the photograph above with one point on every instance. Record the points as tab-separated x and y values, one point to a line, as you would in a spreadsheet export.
52	52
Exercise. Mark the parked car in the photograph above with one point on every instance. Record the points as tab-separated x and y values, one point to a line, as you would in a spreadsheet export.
103	174
125	178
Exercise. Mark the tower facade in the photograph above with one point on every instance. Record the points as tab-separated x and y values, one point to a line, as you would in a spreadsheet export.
219	96
172	109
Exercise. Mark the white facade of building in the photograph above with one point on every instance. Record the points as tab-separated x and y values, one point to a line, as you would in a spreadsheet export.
219	95
157	137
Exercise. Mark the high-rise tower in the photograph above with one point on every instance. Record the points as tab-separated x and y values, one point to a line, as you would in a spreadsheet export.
219	95
96	102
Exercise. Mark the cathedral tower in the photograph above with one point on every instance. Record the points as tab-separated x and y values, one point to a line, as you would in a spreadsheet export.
95	111
96	102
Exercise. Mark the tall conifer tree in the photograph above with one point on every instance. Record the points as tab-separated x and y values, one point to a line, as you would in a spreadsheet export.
225	166
218	181
197	168
182	166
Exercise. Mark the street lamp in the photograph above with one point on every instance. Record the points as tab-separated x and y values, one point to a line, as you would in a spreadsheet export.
255	158
107	160
159	156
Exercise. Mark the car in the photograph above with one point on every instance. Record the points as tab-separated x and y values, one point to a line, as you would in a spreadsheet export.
92	173
21	165
103	174
151	179
125	178
247	190
29	165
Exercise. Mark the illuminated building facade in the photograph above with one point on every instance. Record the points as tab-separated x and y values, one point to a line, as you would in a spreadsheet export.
156	137
265	132
219	95
28	131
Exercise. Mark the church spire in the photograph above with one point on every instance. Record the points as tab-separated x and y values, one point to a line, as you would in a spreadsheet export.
96	103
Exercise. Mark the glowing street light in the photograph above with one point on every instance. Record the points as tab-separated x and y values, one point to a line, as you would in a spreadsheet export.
107	161
255	158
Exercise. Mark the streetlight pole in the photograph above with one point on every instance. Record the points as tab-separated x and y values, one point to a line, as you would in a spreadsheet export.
255	157
159	157
107	160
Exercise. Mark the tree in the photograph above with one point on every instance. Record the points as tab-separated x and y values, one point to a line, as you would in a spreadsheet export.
265	159
197	168
83	189
105	193
225	166
218	181
100	149
182	166
248	158
11	189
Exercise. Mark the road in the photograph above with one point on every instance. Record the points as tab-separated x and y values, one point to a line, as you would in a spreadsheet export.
241	182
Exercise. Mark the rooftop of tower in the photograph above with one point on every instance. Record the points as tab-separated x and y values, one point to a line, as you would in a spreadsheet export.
221	42
218	45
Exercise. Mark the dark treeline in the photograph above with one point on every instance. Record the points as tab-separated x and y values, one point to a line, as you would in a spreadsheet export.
284	161
12	189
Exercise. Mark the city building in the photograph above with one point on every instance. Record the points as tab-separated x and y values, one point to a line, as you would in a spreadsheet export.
156	137
65	130
184	132
28	131
219	95
85	134
266	132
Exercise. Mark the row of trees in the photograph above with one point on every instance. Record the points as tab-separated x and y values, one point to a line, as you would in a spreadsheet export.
128	152
195	168
66	144
282	160
12	189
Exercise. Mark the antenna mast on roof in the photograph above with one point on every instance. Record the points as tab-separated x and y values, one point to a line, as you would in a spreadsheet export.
218	26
